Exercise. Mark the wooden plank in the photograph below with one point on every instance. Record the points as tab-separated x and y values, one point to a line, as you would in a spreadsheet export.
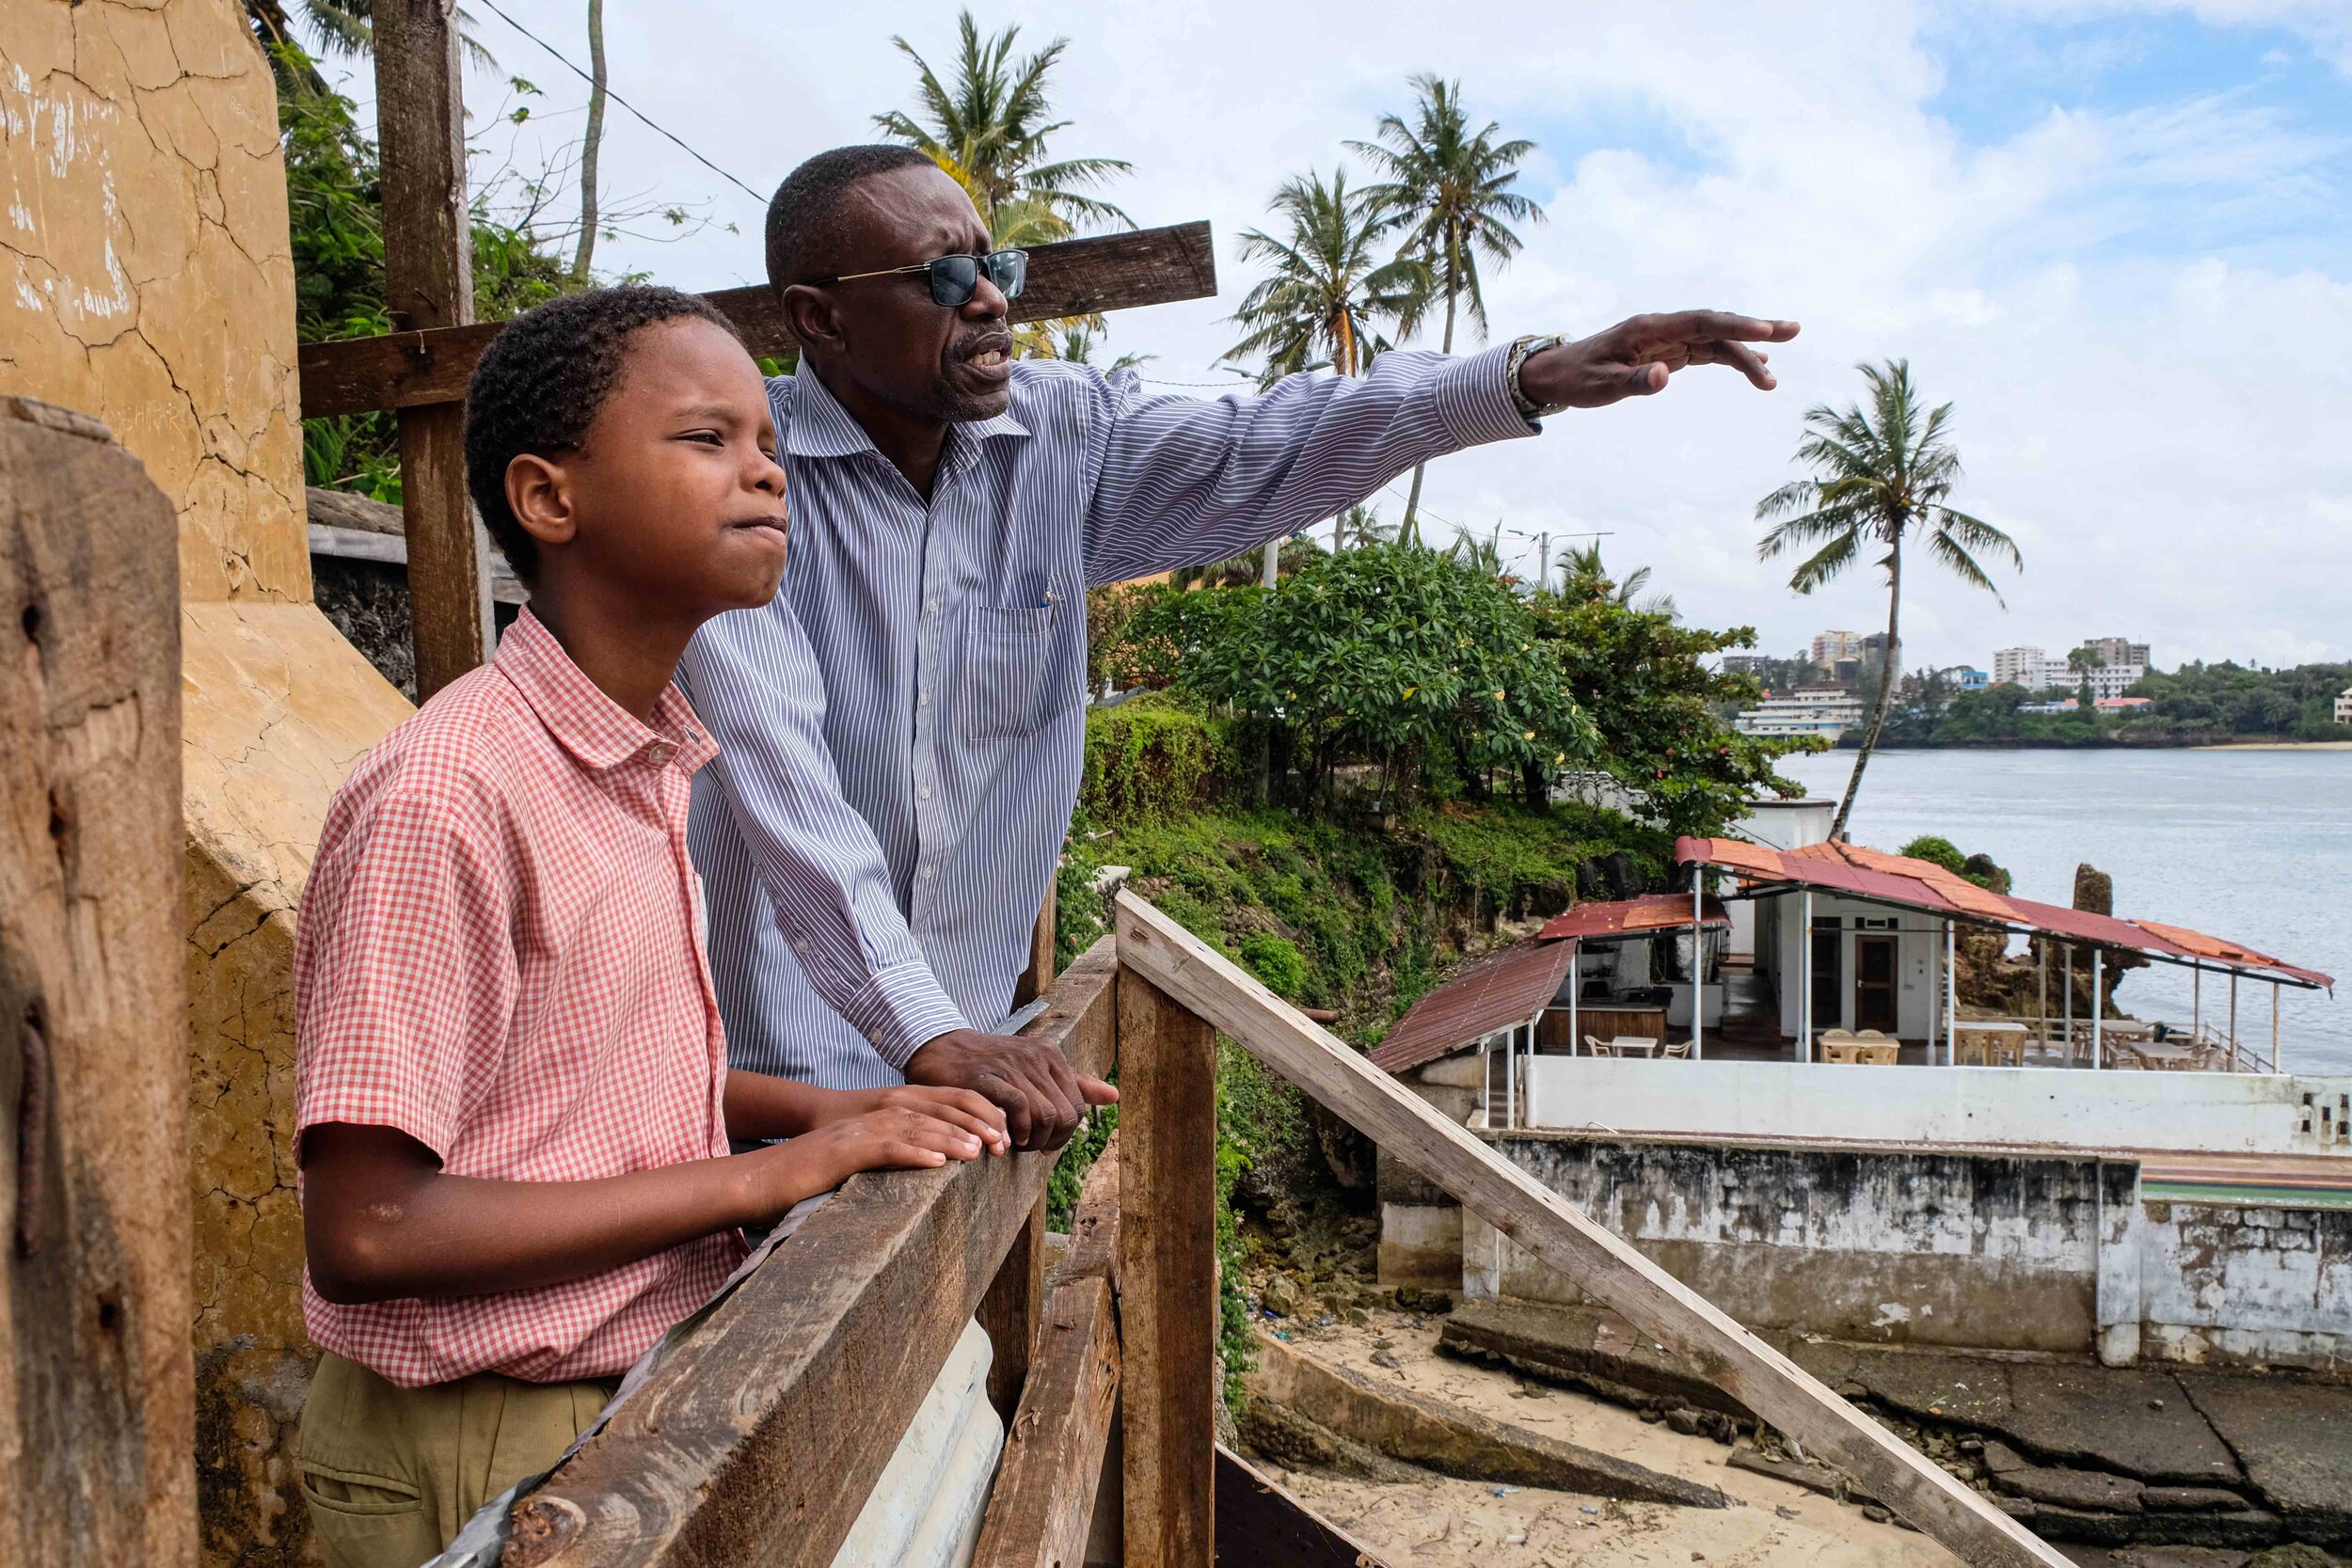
1094	1225
1261	1526
761	1437
97	1385
1008	1312
1045	1484
1155	950
428	286
1040	973
1167	1276
1101	273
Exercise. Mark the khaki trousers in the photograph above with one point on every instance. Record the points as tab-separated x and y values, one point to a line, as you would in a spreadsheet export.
391	1474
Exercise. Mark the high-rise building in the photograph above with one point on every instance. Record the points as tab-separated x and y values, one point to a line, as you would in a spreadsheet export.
2120	651
1743	664
1831	646
2024	667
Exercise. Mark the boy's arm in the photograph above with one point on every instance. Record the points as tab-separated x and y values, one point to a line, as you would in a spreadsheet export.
382	1220
760	1105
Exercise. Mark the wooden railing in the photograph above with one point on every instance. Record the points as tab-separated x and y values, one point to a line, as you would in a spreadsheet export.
762	1436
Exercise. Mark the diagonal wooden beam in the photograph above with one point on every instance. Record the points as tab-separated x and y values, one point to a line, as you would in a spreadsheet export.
1157	953
760	1438
1073	278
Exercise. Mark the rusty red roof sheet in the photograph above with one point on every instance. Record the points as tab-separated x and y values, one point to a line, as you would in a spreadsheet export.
1924	885
1656	912
1491	992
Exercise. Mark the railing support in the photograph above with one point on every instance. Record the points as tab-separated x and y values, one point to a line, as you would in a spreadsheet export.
1168	1277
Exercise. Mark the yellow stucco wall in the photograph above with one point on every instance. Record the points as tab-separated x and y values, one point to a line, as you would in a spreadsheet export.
147	280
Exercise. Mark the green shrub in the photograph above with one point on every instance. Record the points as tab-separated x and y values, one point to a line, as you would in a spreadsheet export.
1276	961
1936	851
1151	758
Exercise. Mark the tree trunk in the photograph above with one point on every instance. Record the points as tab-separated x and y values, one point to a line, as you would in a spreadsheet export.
591	141
1268	576
1410	532
1886	686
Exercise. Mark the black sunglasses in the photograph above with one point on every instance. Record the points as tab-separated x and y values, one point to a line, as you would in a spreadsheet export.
956	279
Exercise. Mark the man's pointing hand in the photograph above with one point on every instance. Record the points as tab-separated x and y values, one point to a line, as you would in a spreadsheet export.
1035	1086
1634	358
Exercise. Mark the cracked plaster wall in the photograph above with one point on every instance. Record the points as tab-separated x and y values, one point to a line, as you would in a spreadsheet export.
145	276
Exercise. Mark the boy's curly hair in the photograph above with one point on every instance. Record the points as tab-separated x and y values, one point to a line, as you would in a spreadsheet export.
540	383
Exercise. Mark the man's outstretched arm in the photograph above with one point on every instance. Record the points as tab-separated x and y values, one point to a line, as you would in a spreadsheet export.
1186	480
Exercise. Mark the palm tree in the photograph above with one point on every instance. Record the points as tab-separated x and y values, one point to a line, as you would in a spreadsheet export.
1360	525
1328	292
1879	477
990	129
1582	576
1449	191
343	27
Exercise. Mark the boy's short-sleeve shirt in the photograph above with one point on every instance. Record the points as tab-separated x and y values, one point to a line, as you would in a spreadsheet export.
499	955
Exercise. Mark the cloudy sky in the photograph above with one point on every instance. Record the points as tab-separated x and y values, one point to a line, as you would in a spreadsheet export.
2117	235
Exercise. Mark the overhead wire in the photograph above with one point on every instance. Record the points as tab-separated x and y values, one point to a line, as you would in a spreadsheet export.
659	130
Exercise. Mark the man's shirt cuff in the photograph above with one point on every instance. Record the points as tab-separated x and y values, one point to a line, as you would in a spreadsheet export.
902	1009
1477	401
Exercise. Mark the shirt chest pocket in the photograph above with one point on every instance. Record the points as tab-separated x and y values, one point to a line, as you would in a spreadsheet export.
1007	656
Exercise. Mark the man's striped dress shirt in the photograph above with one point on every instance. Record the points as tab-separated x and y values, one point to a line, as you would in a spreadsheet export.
901	730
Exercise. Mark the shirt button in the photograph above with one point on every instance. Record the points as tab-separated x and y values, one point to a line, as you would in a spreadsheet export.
930	606
923	699
926	873
923	792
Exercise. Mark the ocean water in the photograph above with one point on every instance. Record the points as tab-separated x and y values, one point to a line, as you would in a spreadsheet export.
2255	846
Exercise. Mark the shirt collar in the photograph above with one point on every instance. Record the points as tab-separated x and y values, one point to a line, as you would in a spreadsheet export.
595	730
820	427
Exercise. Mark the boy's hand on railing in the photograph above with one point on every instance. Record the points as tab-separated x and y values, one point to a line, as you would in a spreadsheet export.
898	1137
966	1109
1042	1095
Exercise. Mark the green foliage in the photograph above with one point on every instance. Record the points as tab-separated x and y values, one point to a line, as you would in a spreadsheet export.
1328	292
1276	961
1154	755
1641	676
1070	1170
1936	851
1389	654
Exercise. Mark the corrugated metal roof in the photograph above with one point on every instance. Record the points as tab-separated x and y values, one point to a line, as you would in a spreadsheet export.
1657	911
1923	885
1488	993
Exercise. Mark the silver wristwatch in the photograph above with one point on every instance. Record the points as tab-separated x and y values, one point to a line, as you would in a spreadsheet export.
1520	350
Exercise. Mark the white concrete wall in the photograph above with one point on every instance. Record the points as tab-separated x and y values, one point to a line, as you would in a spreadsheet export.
2062	1108
2237	1284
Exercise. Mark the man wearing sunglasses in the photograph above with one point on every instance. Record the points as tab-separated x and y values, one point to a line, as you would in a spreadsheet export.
902	730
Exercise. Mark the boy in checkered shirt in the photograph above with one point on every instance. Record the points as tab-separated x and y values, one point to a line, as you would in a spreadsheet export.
511	1079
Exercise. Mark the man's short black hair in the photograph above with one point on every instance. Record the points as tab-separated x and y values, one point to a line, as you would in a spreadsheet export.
804	215
538	386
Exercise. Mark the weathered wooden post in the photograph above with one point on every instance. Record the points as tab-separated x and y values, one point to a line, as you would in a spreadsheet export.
1167	1275
97	1382
428	282
1011	1310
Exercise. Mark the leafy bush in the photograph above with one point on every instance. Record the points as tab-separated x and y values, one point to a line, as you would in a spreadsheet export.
1936	851
1151	757
1276	961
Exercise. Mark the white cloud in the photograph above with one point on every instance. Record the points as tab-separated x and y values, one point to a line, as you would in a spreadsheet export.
2154	414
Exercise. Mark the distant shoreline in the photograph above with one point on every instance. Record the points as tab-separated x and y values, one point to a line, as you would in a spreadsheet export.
2275	745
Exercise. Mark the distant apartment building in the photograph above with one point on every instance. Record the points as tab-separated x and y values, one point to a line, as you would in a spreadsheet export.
2120	652
2343	706
1743	664
1967	677
1826	711
2035	670
1831	646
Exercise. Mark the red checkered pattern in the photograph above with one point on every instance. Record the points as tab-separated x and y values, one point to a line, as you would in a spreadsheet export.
500	954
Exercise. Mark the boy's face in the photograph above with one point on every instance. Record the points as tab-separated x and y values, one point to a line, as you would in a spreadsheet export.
675	491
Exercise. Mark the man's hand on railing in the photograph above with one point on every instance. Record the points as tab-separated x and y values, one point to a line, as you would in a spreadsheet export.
1042	1097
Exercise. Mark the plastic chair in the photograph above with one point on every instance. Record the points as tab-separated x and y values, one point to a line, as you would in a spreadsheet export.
1678	1049
1599	1046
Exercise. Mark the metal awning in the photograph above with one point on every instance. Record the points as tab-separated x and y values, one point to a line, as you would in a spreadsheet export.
1631	917
1487	993
1879	878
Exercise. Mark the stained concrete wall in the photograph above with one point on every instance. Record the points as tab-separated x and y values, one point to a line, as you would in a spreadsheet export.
150	281
2240	1284
1943	1248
